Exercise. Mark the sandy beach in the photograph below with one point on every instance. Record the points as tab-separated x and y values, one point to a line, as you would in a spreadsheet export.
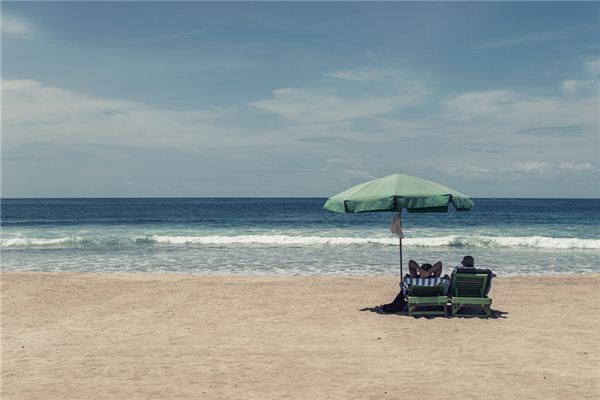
89	336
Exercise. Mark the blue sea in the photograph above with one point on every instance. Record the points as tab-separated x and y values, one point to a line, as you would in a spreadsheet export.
277	236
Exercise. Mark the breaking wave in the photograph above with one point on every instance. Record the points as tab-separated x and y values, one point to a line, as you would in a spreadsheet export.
541	242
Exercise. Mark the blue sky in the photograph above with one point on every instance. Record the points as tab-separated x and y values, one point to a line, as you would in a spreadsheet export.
299	99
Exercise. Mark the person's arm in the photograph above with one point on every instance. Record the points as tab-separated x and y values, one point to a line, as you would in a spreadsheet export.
436	270
413	268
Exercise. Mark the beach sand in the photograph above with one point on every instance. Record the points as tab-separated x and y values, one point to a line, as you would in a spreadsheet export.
90	336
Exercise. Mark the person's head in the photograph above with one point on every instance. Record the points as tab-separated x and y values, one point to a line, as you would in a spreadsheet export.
426	267
468	262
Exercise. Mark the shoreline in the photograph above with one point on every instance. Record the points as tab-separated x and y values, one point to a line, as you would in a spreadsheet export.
277	275
140	335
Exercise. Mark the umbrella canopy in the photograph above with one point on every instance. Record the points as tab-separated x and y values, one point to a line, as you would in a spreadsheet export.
396	192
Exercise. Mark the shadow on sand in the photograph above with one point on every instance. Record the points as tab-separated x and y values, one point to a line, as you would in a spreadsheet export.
496	314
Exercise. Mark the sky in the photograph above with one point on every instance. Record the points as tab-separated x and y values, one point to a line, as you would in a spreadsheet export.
299	99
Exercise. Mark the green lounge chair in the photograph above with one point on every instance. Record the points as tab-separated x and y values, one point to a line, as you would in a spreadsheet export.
468	291
426	296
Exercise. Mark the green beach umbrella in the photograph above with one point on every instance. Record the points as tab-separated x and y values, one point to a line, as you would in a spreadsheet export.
397	192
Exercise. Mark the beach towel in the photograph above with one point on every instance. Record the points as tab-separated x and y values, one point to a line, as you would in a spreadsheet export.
395	306
396	226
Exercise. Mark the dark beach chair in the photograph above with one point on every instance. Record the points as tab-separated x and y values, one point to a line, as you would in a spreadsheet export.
482	271
431	297
468	290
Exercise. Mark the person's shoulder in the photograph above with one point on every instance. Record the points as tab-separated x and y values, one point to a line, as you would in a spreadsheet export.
488	270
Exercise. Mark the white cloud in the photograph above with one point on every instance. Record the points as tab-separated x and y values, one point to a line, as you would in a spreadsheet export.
465	171
519	171
353	175
341	160
179	35
577	167
550	169
35	112
371	55
473	169
570	87
315	105
557	131
16	27
370	75
578	106
524	112
593	66
529	167
591	69
481	103
535	37
374	92
347	169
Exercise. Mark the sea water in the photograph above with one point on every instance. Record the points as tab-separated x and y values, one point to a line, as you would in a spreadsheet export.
292	236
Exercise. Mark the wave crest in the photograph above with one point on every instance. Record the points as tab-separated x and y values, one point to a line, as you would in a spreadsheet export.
541	242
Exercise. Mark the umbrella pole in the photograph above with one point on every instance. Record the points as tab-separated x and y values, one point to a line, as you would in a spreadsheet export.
400	243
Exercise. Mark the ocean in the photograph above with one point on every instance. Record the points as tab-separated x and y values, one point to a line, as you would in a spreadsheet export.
292	236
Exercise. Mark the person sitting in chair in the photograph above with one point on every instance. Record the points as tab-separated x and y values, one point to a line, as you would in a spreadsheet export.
425	270
467	262
468	266
416	271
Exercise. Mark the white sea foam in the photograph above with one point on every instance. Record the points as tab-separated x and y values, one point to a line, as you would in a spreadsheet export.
443	241
284	240
28	242
71	240
540	242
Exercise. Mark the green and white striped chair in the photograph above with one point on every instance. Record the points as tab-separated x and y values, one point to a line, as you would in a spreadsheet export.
431	297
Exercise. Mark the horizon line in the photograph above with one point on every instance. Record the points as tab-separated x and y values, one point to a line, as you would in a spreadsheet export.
266	197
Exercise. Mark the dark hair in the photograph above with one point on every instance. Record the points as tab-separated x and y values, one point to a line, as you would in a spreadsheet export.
468	261
426	266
